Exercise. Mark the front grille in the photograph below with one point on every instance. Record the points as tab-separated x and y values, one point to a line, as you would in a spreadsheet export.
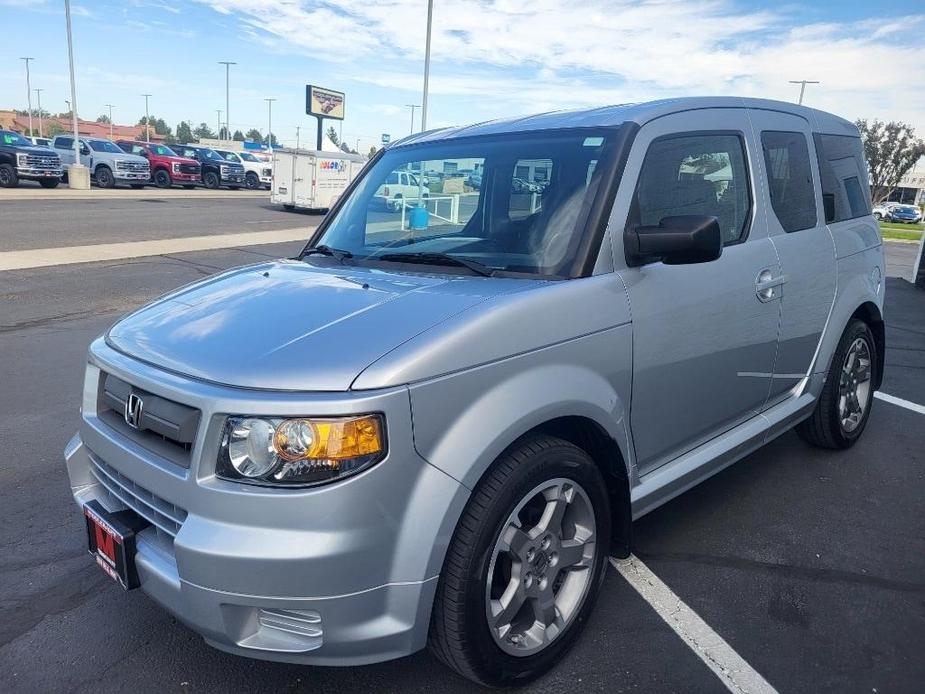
164	427
123	492
39	161
189	168
133	166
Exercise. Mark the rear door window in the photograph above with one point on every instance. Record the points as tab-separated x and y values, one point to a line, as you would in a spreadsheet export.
790	179
64	142
843	174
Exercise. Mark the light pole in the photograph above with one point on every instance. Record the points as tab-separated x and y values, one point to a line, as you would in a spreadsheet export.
218	112
110	119
70	58
29	93
227	64
412	107
270	123
147	120
430	19
803	84
38	95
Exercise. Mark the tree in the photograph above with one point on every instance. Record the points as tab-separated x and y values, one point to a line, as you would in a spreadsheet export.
332	135
223	133
238	136
204	132
892	149
158	125
184	133
275	142
372	152
253	135
53	128
103	118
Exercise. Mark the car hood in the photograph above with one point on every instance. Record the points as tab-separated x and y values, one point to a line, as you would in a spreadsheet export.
37	150
118	157
289	325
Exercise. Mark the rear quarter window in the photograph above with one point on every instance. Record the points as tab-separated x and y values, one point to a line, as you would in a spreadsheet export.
790	179
843	173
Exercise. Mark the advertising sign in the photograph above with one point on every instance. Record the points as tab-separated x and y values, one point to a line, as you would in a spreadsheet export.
324	103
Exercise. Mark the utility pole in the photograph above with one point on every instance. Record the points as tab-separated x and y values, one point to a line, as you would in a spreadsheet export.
70	57
270	123
219	122
147	120
29	93
430	19
227	64
412	107
803	84
110	119
297	129
38	95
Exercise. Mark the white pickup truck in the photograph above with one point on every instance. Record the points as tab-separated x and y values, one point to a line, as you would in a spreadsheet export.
259	171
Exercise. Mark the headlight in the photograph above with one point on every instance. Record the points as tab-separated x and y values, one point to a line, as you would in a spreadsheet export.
120	164
299	452
175	166
224	170
21	159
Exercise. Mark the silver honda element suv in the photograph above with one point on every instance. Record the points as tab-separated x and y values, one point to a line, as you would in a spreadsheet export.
435	424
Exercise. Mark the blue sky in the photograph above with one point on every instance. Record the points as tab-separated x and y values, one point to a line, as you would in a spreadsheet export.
491	57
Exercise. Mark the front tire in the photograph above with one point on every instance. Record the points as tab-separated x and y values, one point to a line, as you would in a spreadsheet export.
252	181
844	405
8	176
525	564
211	180
49	182
162	178
104	177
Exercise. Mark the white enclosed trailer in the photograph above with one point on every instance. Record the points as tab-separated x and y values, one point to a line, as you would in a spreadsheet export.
310	179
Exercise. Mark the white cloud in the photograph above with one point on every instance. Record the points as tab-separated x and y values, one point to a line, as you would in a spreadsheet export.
623	50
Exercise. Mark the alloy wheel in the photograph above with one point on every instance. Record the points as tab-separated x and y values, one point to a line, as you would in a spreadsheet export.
854	385
541	567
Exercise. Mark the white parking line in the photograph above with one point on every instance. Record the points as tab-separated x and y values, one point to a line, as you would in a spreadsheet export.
732	670
893	400
46	257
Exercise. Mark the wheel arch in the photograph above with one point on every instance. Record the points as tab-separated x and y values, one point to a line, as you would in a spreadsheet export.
870	313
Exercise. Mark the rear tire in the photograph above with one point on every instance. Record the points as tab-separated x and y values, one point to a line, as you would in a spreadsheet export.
8	176
49	182
843	408
502	564
104	177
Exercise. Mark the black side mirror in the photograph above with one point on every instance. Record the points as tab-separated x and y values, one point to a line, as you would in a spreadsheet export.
84	150
680	240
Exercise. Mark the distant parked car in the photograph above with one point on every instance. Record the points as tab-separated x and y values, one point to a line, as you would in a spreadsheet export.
519	185
216	171
21	159
258	173
475	180
167	167
400	185
905	214
108	164
881	210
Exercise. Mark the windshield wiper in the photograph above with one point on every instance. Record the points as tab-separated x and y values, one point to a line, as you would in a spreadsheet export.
335	253
431	258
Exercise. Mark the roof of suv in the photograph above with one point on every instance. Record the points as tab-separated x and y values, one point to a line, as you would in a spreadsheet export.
605	116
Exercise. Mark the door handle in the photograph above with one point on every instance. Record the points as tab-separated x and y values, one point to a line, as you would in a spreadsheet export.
767	285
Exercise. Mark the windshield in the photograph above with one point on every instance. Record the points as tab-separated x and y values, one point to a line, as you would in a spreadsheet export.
247	156
104	146
527	214
162	151
209	154
15	140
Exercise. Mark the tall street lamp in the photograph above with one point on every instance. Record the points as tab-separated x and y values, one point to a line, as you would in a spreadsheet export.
29	93
78	176
412	107
147	120
270	123
803	84
430	19
218	113
110	119
227	64
38	95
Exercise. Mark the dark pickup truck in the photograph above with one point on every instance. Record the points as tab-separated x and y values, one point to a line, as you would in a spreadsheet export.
216	172
22	160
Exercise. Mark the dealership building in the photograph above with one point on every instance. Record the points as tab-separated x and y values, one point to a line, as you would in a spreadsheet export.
911	187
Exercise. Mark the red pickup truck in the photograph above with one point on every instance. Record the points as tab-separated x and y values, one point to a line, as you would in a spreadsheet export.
166	167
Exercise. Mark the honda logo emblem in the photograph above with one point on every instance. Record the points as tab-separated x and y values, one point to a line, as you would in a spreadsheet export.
133	407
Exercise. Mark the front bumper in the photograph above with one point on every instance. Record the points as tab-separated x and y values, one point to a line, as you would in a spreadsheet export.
131	175
38	173
340	574
233	180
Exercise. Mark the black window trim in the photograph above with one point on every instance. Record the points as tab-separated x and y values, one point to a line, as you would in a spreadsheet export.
812	181
633	219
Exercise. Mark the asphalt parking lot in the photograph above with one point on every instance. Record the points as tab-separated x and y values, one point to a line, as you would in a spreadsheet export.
809	564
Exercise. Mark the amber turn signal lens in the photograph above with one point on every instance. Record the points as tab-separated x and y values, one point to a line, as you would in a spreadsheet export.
328	439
